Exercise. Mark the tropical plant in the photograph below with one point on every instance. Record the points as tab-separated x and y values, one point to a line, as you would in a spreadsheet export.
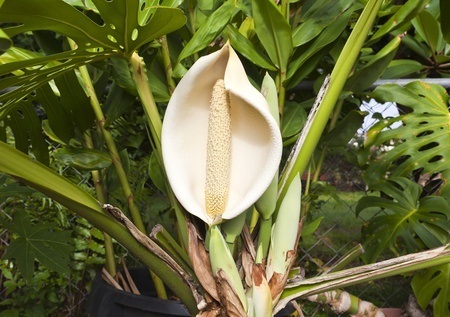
216	155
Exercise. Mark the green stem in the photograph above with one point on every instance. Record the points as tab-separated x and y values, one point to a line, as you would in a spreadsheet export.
110	263
167	64
265	229
324	151
168	244
281	93
363	274
114	153
285	9
111	145
139	76
253	220
338	77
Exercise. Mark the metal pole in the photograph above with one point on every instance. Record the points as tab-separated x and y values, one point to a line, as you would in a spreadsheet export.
445	82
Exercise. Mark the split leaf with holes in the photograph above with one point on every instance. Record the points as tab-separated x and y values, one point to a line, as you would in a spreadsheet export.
422	141
108	34
417	222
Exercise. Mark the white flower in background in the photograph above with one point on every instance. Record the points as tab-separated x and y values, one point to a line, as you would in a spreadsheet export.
221	146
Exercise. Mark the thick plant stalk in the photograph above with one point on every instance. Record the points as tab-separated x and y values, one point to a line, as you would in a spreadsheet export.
396	266
224	268
43	179
139	76
110	144
167	64
343	302
267	203
341	71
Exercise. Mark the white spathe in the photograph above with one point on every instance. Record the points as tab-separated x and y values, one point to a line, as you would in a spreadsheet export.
256	143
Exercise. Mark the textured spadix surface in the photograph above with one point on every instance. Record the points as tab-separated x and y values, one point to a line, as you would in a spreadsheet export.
256	143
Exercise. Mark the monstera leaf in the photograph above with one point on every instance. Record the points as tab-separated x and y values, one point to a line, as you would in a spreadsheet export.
31	81
433	283
416	222
423	139
120	27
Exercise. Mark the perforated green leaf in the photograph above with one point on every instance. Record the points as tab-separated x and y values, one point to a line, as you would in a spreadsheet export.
406	220
433	286
124	26
423	141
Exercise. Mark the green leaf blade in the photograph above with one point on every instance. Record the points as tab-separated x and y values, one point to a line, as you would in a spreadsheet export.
273	31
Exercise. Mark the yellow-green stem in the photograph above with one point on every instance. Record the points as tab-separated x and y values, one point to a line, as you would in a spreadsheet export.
285	9
253	220
167	64
140	79
337	81
265	229
139	76
114	153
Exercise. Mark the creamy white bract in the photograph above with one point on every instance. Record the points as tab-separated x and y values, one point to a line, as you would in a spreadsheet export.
256	143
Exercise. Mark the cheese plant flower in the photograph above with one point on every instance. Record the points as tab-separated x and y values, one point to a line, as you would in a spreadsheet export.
221	146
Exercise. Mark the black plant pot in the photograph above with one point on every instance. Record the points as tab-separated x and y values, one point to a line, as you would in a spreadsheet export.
107	301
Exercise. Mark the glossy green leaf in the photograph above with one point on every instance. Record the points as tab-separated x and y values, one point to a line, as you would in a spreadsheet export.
119	36
42	178
41	241
307	66
121	31
65	104
445	23
423	139
432	285
247	49
405	216
316	18
26	129
405	14
5	41
346	129
154	171
428	28
89	159
294	117
401	68
328	98
209	30
370	72
311	227
304	54
273	31
118	102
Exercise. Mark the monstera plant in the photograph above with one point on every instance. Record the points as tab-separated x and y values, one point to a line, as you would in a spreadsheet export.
210	81
413	215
